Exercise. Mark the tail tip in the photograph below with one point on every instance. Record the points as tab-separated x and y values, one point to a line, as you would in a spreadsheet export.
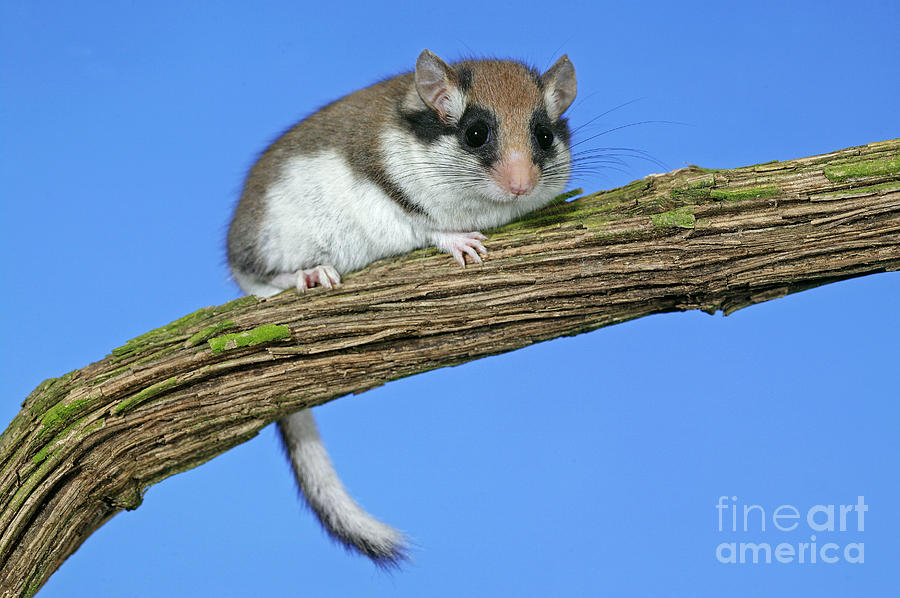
389	552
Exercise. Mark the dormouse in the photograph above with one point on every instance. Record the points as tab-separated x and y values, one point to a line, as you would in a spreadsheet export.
426	158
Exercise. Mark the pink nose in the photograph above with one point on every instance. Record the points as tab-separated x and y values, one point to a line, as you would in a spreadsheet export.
517	174
519	186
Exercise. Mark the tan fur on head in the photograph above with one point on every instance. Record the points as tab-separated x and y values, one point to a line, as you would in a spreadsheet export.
511	90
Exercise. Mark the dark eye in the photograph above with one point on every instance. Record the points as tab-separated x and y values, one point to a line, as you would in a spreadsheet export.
544	137
477	134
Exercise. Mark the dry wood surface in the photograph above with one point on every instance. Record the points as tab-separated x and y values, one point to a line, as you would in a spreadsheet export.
88	444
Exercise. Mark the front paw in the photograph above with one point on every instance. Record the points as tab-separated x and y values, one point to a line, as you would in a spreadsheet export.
459	245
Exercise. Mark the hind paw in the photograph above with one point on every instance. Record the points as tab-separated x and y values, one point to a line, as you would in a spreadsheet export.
324	275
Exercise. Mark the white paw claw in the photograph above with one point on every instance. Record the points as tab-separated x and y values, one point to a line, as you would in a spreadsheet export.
459	245
324	275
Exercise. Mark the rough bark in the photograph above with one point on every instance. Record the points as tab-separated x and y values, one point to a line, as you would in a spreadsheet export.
88	444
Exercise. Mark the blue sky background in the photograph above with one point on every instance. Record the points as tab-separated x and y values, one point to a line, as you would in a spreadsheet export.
584	466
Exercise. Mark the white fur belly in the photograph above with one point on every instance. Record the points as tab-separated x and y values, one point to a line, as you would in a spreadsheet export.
321	212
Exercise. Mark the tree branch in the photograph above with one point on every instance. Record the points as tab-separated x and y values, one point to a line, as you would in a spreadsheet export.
88	444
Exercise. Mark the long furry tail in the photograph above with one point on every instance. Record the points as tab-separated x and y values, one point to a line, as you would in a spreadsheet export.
340	515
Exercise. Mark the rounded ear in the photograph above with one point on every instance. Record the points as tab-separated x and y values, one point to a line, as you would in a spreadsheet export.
559	87
437	85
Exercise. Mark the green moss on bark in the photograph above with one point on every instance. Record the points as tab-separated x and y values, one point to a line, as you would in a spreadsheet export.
261	334
743	194
682	217
858	170
144	395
